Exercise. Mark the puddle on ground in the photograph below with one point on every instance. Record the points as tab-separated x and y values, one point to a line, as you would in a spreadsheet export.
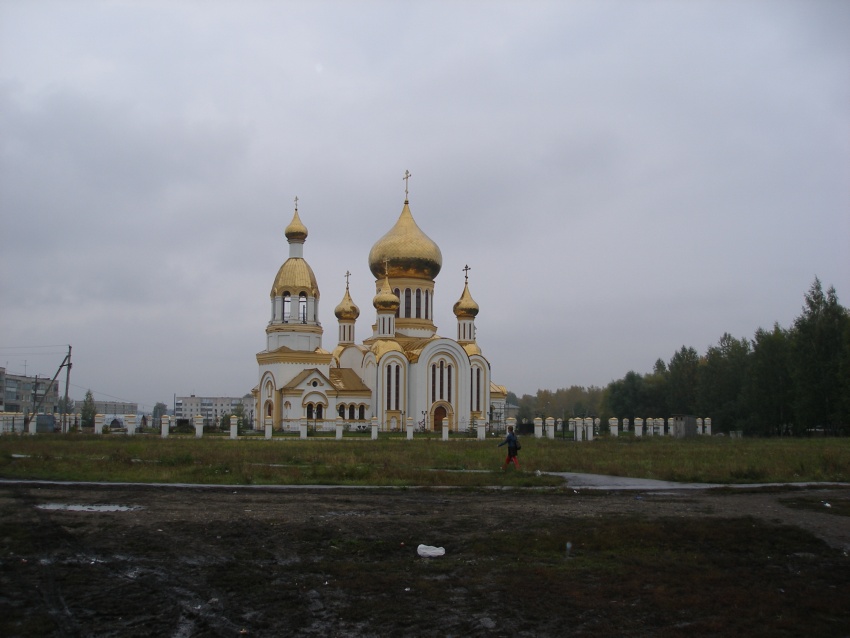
88	508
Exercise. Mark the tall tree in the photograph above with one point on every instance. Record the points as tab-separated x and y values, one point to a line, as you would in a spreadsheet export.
159	410
769	388
87	411
819	361
682	382
626	398
721	379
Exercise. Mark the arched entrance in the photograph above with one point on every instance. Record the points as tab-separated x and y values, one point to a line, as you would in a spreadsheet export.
440	416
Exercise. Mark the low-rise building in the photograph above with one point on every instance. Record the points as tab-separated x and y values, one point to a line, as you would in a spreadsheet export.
21	393
213	408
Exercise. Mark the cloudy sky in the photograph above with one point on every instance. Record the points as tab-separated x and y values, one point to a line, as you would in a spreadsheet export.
623	178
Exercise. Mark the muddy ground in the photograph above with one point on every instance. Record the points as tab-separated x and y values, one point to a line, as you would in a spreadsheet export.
343	562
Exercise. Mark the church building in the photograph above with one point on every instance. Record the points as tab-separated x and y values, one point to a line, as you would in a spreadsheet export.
403	373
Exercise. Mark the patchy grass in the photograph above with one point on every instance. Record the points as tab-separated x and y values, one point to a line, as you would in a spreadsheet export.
394	461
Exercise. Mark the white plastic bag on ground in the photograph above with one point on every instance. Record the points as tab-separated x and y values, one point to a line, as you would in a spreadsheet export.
426	551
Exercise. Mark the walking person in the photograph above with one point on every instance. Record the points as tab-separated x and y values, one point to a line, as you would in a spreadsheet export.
513	446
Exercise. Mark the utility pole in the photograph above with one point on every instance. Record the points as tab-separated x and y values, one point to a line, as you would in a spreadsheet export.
65	420
65	362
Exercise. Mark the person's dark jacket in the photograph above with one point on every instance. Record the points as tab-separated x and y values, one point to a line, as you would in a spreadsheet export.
510	439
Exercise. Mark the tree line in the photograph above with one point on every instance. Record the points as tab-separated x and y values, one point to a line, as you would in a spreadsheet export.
783	381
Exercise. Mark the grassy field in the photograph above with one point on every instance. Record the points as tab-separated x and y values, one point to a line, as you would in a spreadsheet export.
395	461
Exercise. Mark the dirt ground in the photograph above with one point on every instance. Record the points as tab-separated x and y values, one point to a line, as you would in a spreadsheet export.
343	562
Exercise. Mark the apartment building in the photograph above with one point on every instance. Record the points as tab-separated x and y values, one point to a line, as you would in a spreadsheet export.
213	408
22	393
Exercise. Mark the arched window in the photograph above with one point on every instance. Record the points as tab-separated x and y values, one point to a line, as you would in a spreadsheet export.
397	384
407	302
287	307
362	412
478	389
309	410
341	411
397	294
319	407
449	377
302	307
442	376
389	387
418	303
351	412
433	381
427	297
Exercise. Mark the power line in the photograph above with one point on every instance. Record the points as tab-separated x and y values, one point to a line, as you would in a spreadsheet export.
55	345
118	399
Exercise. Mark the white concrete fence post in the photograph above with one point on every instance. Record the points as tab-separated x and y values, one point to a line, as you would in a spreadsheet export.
612	427
538	427
638	427
164	426
707	422
550	427
482	429
234	426
339	427
199	426
588	428
98	424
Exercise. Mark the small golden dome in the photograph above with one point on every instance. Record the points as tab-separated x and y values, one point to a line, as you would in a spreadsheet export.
471	349
295	277
465	307
383	346
386	299
405	251
296	231
347	309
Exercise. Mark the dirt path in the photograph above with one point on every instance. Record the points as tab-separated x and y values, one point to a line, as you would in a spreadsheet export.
236	561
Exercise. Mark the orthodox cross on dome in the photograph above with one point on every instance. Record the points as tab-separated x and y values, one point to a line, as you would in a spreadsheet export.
347	275
296	203
466	270
386	267
406	179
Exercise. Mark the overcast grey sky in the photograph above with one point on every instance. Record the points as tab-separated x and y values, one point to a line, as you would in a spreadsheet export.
623	178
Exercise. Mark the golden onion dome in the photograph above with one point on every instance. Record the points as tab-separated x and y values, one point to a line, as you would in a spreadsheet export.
386	299
296	231
465	307
295	276
347	309
405	251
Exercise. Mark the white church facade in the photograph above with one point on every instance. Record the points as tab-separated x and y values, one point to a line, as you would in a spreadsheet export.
402	374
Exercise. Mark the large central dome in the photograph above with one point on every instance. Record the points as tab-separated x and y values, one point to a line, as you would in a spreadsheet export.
405	251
